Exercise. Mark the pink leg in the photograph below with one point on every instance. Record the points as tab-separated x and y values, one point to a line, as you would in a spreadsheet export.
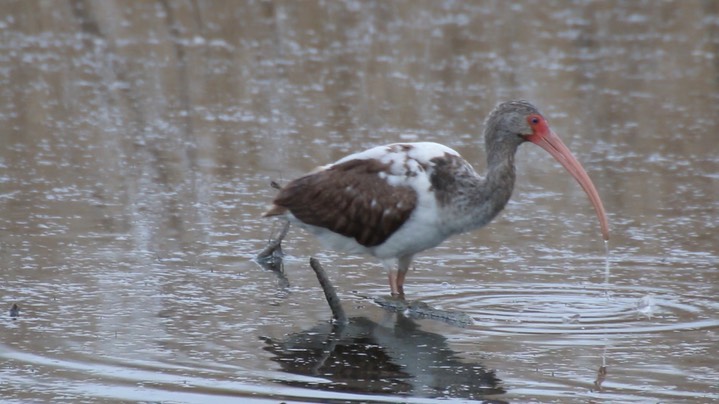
396	278
394	288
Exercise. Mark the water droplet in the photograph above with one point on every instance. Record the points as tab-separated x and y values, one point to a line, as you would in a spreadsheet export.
646	305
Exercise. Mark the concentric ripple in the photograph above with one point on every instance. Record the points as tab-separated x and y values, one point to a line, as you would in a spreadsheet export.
579	309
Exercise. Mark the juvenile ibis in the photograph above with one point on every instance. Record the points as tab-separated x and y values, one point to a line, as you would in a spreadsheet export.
396	200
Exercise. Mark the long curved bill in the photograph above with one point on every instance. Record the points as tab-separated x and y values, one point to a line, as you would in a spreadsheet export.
550	142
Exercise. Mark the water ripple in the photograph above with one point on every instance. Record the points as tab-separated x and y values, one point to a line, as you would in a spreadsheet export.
580	309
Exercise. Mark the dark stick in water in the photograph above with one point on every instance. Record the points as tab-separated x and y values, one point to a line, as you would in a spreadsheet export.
333	300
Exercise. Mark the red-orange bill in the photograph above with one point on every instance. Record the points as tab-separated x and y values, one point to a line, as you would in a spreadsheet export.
550	142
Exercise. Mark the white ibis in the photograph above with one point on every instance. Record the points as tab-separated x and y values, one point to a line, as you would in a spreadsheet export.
396	200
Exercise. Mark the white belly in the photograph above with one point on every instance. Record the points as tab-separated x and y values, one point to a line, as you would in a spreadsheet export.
419	233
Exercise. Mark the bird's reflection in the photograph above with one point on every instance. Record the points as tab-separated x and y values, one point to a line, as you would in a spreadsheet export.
396	358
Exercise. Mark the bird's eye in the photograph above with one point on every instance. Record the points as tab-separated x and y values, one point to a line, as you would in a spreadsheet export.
535	120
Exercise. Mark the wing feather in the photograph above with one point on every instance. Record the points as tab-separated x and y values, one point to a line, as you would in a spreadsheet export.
350	198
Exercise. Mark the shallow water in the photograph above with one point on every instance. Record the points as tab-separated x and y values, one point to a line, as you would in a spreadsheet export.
139	141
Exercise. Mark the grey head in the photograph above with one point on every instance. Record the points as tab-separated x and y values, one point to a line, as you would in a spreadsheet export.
507	125
515	122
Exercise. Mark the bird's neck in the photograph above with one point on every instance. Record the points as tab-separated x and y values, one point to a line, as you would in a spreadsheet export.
484	197
494	191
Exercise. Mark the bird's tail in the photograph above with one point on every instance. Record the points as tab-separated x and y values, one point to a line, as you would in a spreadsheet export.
275	210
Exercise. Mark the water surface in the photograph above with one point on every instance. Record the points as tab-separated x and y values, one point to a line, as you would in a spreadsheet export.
139	141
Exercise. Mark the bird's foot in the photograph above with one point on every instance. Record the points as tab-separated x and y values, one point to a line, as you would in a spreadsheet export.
397	296
420	309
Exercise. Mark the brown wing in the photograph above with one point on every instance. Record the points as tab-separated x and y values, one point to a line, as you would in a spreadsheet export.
350	199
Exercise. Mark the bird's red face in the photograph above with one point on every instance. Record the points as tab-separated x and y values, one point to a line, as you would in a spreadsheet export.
544	137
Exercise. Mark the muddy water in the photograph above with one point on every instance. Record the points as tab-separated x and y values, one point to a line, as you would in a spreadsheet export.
139	140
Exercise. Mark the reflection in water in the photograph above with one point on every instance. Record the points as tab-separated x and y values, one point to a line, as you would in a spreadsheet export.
368	357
